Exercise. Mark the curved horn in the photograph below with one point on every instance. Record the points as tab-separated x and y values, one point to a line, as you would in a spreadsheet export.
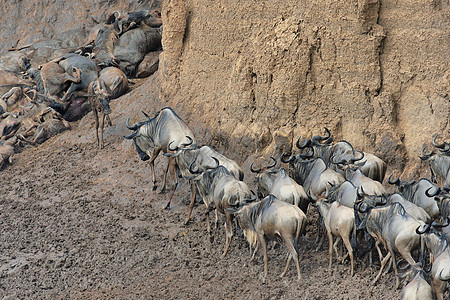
148	118
134	127
273	164
396	180
435	144
254	170
307	155
188	143
305	144
353	160
358	194
342	161
426	227
217	162
317	138
425	155
130	136
172	149
436	191
289	159
384	199
191	168
329	141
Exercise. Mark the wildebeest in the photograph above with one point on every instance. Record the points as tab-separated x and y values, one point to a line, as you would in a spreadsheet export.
133	45
278	183
393	227
273	219
155	134
418	288
439	249
88	70
14	61
115	80
55	79
361	181
9	124
99	99
339	221
203	158
217	186
313	174
371	165
416	192
439	162
7	151
51	123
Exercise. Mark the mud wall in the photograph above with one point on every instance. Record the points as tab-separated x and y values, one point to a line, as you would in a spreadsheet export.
375	72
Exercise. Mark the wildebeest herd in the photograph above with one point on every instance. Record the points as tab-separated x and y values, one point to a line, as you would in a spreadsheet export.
44	87
344	184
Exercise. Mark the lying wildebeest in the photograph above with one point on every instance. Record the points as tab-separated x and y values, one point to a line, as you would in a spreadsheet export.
99	99
278	183
9	80
150	18
416	192
217	186
15	98
51	124
372	166
203	157
418	288
273	219
14	61
7	151
56	80
115	80
148	65
440	252
133	45
439	163
339	221
88	70
393	227
9	124
155	134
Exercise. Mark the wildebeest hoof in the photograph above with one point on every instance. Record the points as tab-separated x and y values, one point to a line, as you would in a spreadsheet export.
163	191
155	187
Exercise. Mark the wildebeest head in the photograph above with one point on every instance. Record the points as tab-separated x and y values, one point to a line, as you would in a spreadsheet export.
136	134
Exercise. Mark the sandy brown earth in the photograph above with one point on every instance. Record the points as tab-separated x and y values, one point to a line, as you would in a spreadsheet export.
81	223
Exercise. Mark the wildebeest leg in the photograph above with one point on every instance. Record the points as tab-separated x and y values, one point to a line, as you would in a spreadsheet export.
152	166
102	125
173	172
263	243
254	252
383	263
330	249
163	189
228	232
289	242
191	205
95	112
216	219
350	252
208	226
338	255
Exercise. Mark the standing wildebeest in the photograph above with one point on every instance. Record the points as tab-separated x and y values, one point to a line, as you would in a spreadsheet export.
217	186
439	162
313	174
418	288
273	219
339	221
155	134
393	227
278	183
371	165
203	157
440	252
99	100
416	192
